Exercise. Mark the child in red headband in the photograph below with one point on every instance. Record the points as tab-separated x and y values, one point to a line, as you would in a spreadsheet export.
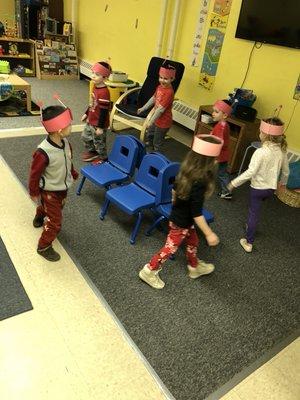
268	165
97	116
221	110
162	101
51	175
194	183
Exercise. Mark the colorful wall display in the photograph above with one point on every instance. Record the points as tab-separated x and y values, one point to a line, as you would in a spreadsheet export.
215	38
199	32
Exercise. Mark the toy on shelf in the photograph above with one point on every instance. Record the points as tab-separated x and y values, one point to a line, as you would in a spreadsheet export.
4	67
13	49
6	90
1	50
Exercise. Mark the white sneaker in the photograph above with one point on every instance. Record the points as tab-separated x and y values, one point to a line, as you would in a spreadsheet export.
151	277
245	245
202	268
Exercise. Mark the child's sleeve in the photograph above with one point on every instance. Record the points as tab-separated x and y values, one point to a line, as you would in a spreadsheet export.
285	170
104	106
74	173
251	171
38	166
197	200
150	103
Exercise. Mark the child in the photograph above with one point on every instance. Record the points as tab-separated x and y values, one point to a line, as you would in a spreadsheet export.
264	172
221	110
51	175
194	183
162	100
97	116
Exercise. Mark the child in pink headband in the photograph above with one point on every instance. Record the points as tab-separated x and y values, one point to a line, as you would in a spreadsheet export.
194	183
51	175
162	100
267	167
221	110
97	116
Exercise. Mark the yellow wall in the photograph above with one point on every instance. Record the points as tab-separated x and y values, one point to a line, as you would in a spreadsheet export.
273	73
7	11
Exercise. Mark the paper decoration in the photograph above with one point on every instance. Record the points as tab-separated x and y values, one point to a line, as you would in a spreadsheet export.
215	37
199	32
297	90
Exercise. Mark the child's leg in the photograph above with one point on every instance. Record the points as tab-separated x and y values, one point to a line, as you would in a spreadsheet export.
256	198
88	137
174	239
149	136
100	144
40	214
223	177
159	138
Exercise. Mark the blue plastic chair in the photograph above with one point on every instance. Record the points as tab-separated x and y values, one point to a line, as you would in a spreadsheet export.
139	195
142	150
164	197
119	167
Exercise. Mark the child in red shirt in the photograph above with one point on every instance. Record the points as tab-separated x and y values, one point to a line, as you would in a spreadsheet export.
162	100
97	116
221	110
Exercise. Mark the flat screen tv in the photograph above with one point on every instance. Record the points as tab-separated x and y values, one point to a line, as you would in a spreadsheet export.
270	21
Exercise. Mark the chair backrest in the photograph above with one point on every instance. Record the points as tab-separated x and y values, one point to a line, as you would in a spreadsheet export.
142	150
147	176
151	81
166	181
124	154
162	156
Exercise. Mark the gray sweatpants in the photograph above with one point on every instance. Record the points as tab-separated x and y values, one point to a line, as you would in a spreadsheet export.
155	137
93	142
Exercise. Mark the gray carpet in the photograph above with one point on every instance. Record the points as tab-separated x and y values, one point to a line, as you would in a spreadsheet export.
197	334
13	298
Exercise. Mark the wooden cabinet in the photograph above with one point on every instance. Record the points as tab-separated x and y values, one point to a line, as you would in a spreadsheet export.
23	53
242	133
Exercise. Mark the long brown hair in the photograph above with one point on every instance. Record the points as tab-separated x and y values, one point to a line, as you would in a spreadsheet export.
196	168
281	139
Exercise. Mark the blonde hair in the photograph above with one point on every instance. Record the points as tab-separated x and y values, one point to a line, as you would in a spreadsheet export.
196	168
279	140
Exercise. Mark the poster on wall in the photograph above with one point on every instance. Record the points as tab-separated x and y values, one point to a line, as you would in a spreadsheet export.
214	42
297	90
199	32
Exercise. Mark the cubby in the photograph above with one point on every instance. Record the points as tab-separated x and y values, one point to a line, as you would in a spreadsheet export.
242	133
25	54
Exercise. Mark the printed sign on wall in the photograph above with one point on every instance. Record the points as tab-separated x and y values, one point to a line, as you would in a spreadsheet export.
215	38
199	32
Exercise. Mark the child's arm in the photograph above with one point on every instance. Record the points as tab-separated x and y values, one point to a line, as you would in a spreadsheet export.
104	104
285	170
38	166
150	103
250	172
211	237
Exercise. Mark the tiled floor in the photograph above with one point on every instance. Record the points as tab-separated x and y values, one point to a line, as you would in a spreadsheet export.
70	347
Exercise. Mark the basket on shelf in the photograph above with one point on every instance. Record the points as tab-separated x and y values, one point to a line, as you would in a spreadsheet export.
289	197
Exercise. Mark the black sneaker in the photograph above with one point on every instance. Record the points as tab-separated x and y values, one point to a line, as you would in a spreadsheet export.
38	221
226	196
49	254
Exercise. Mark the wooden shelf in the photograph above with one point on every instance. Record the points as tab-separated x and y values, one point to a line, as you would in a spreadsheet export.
242	133
9	56
24	46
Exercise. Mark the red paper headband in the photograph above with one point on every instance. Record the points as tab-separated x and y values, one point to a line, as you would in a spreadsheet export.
222	106
101	70
61	121
167	72
207	148
269	129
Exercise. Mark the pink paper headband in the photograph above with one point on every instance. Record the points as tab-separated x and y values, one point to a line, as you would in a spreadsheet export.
101	70
167	72
61	121
269	129
207	148
222	106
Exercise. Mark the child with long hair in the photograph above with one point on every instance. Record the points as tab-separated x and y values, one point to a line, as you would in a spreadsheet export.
194	183
268	167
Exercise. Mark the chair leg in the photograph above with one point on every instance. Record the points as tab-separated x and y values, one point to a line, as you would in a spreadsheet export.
136	228
104	209
154	225
78	192
243	160
111	118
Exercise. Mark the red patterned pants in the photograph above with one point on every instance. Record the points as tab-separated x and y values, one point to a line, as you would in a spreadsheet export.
51	207
174	239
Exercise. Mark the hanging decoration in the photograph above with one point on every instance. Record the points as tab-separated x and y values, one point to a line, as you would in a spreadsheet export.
199	32
215	37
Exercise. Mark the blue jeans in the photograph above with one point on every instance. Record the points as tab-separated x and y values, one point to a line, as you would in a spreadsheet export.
257	196
223	177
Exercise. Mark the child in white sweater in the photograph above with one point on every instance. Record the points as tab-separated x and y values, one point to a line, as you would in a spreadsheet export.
268	166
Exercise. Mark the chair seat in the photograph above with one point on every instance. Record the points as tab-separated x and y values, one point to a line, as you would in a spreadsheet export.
103	174
130	198
131	110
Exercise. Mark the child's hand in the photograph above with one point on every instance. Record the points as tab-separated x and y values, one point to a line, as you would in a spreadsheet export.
36	199
230	187
84	117
212	239
99	131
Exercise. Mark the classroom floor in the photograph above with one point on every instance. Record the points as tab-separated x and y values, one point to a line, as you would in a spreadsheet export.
70	346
